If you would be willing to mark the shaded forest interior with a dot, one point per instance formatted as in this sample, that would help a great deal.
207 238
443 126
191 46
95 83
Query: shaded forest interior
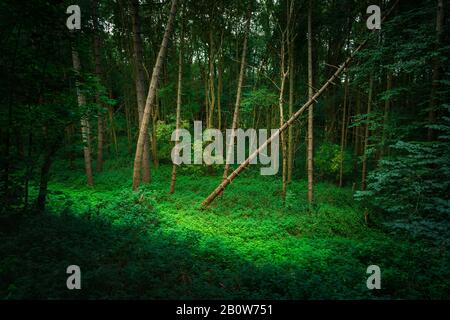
89 121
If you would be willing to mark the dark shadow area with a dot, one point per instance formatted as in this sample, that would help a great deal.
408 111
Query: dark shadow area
133 263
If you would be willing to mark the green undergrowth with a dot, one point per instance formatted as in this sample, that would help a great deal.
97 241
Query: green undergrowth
247 244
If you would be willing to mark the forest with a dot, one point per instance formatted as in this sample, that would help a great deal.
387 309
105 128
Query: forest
327 125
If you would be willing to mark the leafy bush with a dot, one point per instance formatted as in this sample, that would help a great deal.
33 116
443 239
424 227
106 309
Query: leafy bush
327 161
414 181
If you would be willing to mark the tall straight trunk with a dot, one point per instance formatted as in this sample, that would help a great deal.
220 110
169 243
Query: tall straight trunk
138 55
291 99
387 107
151 97
238 99
219 91
358 127
434 101
310 110
179 90
366 136
98 73
283 76
85 127
154 138
211 86
112 131
128 125
343 131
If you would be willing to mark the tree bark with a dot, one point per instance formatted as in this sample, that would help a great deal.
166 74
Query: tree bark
434 101
138 55
366 136
211 86
98 73
344 115
179 91
310 111
85 127
387 106
238 98
283 76
151 97
291 45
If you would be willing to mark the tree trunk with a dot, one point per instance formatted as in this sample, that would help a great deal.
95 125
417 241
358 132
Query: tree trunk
291 44
219 91
283 76
434 101
238 99
211 86
366 136
310 110
344 115
85 127
387 105
140 86
179 90
151 98
98 73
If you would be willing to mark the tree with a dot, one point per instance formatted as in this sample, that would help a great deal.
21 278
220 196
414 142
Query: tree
291 53
85 126
310 110
237 104
99 74
366 136
178 112
436 73
151 97
140 84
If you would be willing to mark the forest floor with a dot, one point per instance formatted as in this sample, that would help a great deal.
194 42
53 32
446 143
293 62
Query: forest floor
151 244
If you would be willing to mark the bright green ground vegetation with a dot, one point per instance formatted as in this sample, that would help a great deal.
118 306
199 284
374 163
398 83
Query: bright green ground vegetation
247 245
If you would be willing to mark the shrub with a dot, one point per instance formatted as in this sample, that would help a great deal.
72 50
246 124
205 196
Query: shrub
327 161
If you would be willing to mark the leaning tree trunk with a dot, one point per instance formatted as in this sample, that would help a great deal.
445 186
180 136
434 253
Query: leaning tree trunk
140 85
151 97
310 110
238 100
219 189
85 127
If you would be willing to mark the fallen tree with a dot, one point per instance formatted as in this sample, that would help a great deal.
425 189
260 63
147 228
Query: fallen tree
286 125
